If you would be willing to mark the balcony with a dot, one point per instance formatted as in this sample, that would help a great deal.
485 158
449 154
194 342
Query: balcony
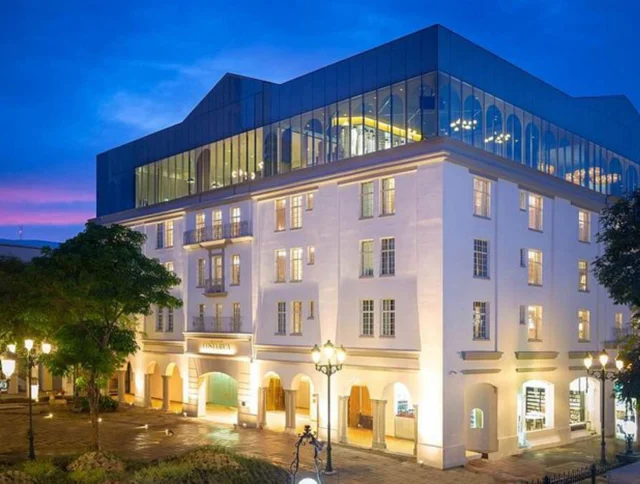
214 288
218 234
210 324
619 334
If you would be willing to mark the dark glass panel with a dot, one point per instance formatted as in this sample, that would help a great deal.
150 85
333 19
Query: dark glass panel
384 119
357 126
370 109
428 105
344 130
296 143
285 146
414 113
398 114
317 126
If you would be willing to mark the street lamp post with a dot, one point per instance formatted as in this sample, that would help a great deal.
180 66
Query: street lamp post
328 368
603 375
32 360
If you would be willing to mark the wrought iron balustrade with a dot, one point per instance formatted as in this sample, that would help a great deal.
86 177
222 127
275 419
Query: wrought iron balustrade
212 324
214 233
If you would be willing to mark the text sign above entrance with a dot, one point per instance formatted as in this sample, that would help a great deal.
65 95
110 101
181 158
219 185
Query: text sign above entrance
218 348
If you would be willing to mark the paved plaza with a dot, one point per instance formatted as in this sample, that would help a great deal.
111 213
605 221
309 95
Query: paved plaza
136 433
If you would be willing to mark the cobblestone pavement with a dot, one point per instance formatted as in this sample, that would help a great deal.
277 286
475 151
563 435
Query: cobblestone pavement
124 433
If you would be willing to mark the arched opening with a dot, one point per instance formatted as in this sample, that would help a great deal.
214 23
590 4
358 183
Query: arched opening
155 384
306 402
218 398
360 416
535 409
400 422
174 391
614 179
274 402
495 138
532 145
632 179
549 162
481 419
584 411
472 122
514 145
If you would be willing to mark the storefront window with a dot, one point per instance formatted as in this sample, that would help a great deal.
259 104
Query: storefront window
537 411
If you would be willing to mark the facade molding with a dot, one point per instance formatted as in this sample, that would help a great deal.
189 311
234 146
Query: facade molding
481 355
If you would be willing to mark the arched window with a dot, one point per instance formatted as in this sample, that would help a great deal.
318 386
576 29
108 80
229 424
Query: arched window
614 178
477 419
449 108
494 129
532 145
472 122
550 153
514 130
632 179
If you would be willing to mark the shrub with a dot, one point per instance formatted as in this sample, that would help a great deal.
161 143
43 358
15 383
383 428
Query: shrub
15 477
168 473
96 461
44 471
105 404
93 476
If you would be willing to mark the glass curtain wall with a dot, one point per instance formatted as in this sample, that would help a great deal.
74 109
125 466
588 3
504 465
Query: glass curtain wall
433 104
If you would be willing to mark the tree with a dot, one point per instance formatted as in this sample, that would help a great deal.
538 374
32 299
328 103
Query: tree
618 270
97 284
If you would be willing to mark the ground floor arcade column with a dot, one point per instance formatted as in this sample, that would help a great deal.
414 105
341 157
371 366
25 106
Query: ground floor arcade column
147 390
165 392
378 408
343 417
290 411
262 407
121 384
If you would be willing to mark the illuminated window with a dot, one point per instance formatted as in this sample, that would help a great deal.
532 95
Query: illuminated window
235 269
480 258
312 309
618 320
281 265
310 199
534 261
481 197
217 224
583 276
584 325
480 320
531 316
235 221
584 226
200 273
296 264
388 196
297 317
281 214
296 212
366 258
311 255
169 266
366 200
477 419
200 226
169 233
535 212
236 319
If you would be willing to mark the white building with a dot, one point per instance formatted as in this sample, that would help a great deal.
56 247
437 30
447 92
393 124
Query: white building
449 254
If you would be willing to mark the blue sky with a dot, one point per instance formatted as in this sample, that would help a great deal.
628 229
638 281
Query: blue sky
79 78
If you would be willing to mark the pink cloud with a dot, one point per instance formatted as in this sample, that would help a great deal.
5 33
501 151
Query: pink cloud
18 216
37 195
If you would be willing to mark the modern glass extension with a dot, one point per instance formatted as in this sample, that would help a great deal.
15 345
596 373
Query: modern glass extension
434 104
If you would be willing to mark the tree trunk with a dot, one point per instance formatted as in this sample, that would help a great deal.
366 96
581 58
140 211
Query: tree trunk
94 409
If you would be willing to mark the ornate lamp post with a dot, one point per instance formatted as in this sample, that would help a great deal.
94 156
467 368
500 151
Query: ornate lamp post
328 368
603 375
33 359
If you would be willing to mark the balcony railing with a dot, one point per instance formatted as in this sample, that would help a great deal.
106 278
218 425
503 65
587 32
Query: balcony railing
624 331
214 287
218 232
210 324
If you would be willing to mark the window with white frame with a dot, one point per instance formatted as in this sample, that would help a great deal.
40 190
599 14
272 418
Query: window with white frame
584 225
281 265
296 264
388 317
236 216
388 256
366 199
388 196
534 260
297 317
311 255
481 197
296 212
281 214
218 270
282 318
202 309
583 275
366 258
200 226
200 273
310 199
535 212
236 319
160 235
584 325
169 233
480 320
480 258
218 317
312 309
217 224
366 317
159 319
235 269
533 315
170 320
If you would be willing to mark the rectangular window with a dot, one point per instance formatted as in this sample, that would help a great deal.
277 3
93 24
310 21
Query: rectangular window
296 212
236 320
618 320
160 235
523 201
535 267
583 276
235 269
282 318
480 320
366 200
534 322
218 317
366 317
481 197
201 312
159 319
310 200
535 212
217 224
584 226
366 258
200 273
218 271
388 196
297 317
296 264
170 320
169 266
480 258
200 221
388 256
312 309
169 233
584 325
311 255
281 214
388 317
235 222
281 265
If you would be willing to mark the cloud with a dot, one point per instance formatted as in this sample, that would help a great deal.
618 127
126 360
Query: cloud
12 216
38 195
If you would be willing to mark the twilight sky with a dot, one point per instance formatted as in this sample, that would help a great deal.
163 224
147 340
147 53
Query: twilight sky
80 77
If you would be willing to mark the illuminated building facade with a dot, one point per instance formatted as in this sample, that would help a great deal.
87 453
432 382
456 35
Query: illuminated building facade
427 205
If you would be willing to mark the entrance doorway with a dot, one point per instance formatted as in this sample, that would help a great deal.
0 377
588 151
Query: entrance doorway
306 407
360 417
400 423
218 398
175 391
275 403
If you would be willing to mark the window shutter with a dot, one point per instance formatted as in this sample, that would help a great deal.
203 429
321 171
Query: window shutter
523 315
523 257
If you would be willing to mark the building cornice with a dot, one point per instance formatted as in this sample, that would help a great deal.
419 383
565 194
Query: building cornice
351 352
536 355
481 355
